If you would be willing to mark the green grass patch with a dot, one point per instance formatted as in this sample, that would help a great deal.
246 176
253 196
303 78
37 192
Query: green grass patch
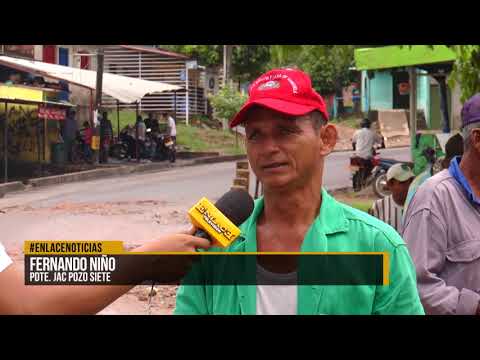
126 117
351 121
361 205
201 139
192 137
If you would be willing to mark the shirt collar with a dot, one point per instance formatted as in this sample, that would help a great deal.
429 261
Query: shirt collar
457 174
331 219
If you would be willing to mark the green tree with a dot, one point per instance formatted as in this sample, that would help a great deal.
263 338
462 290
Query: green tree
227 102
284 55
249 61
466 70
206 55
329 66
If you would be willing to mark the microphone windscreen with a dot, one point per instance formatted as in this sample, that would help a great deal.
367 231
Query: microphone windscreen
236 205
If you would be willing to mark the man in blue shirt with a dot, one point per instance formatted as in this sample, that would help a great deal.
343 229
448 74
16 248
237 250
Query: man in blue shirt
441 228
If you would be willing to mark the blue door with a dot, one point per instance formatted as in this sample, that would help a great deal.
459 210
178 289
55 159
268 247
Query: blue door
63 56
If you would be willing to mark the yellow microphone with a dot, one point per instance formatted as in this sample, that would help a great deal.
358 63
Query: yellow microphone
219 222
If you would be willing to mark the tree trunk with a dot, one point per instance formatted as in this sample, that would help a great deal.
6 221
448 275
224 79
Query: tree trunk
339 99
444 102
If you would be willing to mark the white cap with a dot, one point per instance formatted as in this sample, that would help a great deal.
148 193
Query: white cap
400 172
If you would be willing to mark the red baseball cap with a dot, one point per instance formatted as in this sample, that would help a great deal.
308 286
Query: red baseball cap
288 91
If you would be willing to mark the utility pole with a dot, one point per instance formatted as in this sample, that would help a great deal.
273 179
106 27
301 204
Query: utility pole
227 61
98 101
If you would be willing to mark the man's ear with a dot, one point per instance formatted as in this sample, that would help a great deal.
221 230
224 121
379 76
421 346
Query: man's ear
329 135
476 140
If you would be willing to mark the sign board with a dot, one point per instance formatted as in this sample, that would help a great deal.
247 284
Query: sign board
192 64
404 88
25 51
51 113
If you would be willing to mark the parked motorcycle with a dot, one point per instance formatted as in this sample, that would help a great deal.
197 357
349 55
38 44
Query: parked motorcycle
372 172
119 149
166 148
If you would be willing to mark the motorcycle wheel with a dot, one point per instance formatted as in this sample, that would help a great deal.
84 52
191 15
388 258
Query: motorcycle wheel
380 186
77 155
355 182
118 152
171 155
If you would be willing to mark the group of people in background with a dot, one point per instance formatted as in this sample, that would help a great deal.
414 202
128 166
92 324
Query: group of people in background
438 216
131 133
73 135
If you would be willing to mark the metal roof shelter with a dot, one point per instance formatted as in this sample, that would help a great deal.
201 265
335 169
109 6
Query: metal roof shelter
123 88
436 59
20 101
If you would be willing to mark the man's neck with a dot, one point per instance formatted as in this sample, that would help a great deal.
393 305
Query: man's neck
300 206
471 170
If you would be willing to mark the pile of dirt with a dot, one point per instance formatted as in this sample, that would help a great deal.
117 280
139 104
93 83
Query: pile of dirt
344 139
348 195
102 209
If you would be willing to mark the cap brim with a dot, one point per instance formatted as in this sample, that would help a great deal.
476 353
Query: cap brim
402 177
284 107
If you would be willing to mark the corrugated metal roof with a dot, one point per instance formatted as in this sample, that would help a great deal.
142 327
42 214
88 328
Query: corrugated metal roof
123 88
156 51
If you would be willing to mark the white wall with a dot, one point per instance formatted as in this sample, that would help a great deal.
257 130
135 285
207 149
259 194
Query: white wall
456 121
38 52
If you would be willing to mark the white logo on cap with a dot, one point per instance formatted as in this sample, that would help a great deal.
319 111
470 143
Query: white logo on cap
269 85
272 83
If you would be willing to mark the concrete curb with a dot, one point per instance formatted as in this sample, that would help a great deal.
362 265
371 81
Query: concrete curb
112 171
217 159
80 176
11 187
187 155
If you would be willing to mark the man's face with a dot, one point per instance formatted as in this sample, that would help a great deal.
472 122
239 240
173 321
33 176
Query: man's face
399 190
283 151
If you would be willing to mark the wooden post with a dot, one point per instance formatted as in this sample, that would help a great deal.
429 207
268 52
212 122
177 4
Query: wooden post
242 176
136 133
5 141
99 84
175 105
98 99
45 131
118 120
187 96
91 109
413 110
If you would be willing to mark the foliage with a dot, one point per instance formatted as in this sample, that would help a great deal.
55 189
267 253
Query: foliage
466 70
328 65
206 55
227 102
249 61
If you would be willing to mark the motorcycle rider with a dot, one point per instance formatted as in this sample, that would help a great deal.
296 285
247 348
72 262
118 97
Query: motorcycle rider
363 142
172 131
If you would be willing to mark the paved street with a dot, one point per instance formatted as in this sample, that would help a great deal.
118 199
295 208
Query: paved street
134 209
131 208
